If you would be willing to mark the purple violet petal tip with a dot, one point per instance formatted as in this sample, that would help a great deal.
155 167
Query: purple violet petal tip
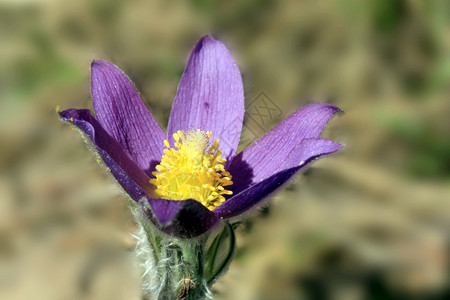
184 219
307 151
210 96
120 110
133 180
265 157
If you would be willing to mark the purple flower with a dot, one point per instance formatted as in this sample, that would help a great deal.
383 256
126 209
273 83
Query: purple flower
155 168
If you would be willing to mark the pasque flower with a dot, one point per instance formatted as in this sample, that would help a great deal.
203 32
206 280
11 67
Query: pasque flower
189 179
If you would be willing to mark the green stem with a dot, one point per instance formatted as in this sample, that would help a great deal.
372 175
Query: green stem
176 268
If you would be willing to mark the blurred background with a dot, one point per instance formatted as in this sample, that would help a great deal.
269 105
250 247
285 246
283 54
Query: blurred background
370 222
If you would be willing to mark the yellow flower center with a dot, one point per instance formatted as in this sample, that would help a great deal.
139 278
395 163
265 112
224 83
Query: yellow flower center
192 170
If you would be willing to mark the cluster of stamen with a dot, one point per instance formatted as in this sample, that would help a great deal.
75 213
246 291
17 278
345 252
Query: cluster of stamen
192 170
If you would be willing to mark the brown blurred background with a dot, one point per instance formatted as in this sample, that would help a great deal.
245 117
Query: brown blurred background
371 222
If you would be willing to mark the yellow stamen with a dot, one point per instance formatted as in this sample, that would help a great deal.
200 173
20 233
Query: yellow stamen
194 171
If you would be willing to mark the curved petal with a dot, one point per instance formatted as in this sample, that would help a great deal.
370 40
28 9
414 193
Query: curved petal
306 151
184 219
210 96
265 157
133 180
122 113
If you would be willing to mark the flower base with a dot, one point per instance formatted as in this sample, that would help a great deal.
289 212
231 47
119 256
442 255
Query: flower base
178 268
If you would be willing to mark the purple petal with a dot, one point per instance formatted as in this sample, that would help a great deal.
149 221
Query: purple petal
268 154
305 152
308 150
185 219
133 180
121 111
210 96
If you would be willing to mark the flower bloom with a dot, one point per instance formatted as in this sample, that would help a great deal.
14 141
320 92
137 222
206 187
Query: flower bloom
188 179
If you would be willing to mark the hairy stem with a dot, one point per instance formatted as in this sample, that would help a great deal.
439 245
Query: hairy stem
186 269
